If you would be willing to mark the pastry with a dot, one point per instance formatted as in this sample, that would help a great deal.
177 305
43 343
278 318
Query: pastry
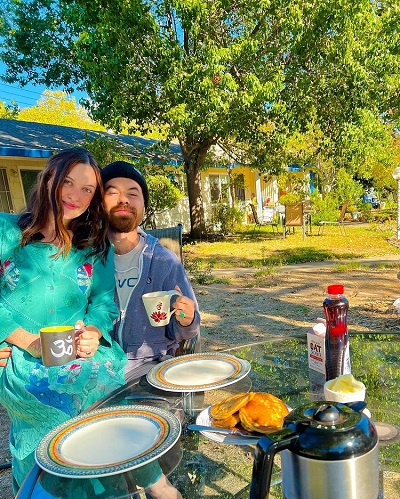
263 413
224 409
229 422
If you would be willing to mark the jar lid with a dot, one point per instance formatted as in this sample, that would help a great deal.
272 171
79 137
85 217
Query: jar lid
336 289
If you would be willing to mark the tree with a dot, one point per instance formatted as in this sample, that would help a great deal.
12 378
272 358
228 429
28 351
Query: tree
208 71
163 196
9 111
365 149
57 108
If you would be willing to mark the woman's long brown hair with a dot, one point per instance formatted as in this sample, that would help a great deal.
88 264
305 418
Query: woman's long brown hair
89 230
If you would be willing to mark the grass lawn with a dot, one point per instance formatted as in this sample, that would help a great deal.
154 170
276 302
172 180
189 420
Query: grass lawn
263 249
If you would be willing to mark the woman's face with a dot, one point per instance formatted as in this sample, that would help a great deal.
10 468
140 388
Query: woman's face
78 190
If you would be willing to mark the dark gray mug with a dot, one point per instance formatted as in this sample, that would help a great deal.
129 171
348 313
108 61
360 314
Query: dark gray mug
58 345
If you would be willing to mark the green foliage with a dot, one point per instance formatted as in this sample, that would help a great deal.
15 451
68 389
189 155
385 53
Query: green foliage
346 188
57 108
290 198
365 212
326 209
9 111
228 218
198 270
106 149
163 194
248 75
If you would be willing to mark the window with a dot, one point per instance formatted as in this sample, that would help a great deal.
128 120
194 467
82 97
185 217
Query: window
5 197
219 188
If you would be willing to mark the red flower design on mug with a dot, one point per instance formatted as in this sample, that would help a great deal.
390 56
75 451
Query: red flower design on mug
158 316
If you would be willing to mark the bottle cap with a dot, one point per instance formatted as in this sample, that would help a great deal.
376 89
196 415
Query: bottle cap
336 289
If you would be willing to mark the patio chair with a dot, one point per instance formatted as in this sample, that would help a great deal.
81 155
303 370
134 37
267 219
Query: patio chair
266 219
170 237
294 217
339 221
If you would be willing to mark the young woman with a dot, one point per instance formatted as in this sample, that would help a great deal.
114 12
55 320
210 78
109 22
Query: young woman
56 268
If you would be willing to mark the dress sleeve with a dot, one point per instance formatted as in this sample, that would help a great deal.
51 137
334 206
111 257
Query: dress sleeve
101 310
9 237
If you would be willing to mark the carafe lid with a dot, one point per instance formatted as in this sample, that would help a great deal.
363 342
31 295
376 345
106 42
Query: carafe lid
336 289
331 430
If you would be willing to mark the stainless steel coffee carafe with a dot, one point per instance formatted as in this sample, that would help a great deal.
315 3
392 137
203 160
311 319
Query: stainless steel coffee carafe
330 451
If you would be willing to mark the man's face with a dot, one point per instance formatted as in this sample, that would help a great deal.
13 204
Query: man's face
124 204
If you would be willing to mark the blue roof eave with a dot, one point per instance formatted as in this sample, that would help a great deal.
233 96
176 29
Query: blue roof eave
25 153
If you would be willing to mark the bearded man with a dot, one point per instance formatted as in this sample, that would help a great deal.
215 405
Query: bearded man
143 265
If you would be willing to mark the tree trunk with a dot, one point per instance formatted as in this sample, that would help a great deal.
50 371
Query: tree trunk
193 163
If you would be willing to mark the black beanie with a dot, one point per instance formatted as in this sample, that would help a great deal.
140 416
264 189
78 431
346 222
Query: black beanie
125 170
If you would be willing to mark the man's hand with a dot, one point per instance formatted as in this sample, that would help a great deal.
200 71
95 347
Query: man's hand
5 354
184 309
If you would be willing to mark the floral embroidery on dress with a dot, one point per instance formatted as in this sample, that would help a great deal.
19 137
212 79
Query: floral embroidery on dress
84 275
10 274
47 394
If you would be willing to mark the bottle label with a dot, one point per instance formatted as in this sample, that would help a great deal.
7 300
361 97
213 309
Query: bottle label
347 363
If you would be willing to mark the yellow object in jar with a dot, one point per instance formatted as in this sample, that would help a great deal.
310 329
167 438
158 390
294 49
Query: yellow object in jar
346 384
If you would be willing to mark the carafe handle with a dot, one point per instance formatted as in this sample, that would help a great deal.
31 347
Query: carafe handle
267 447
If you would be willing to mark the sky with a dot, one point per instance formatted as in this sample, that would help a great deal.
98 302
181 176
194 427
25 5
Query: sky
24 96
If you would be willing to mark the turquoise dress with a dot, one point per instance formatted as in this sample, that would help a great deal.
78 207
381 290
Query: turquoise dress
37 290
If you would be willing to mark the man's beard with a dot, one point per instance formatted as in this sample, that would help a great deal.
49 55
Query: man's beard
123 223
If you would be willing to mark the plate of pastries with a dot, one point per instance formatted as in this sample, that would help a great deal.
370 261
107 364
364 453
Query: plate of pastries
258 413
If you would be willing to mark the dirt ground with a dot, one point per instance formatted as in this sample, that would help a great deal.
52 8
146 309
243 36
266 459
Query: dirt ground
288 302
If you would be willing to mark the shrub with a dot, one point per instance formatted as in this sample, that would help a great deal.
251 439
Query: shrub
324 209
228 218
199 271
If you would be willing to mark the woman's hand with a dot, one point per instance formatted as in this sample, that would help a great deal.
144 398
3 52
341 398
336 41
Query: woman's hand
5 354
35 347
87 340
184 309
27 341
163 489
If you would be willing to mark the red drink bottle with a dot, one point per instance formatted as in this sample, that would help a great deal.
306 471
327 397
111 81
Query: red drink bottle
336 338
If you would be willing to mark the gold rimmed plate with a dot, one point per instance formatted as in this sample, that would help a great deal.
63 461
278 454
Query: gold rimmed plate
108 441
198 372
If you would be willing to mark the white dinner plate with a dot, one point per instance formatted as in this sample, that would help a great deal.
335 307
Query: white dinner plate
205 419
108 441
198 372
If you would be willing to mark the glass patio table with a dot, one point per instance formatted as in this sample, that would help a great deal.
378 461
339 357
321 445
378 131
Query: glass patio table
199 467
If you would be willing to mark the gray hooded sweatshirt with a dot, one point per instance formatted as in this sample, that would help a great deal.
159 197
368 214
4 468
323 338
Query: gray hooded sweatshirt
159 270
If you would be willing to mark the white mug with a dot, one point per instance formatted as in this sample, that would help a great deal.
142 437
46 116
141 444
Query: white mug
158 306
